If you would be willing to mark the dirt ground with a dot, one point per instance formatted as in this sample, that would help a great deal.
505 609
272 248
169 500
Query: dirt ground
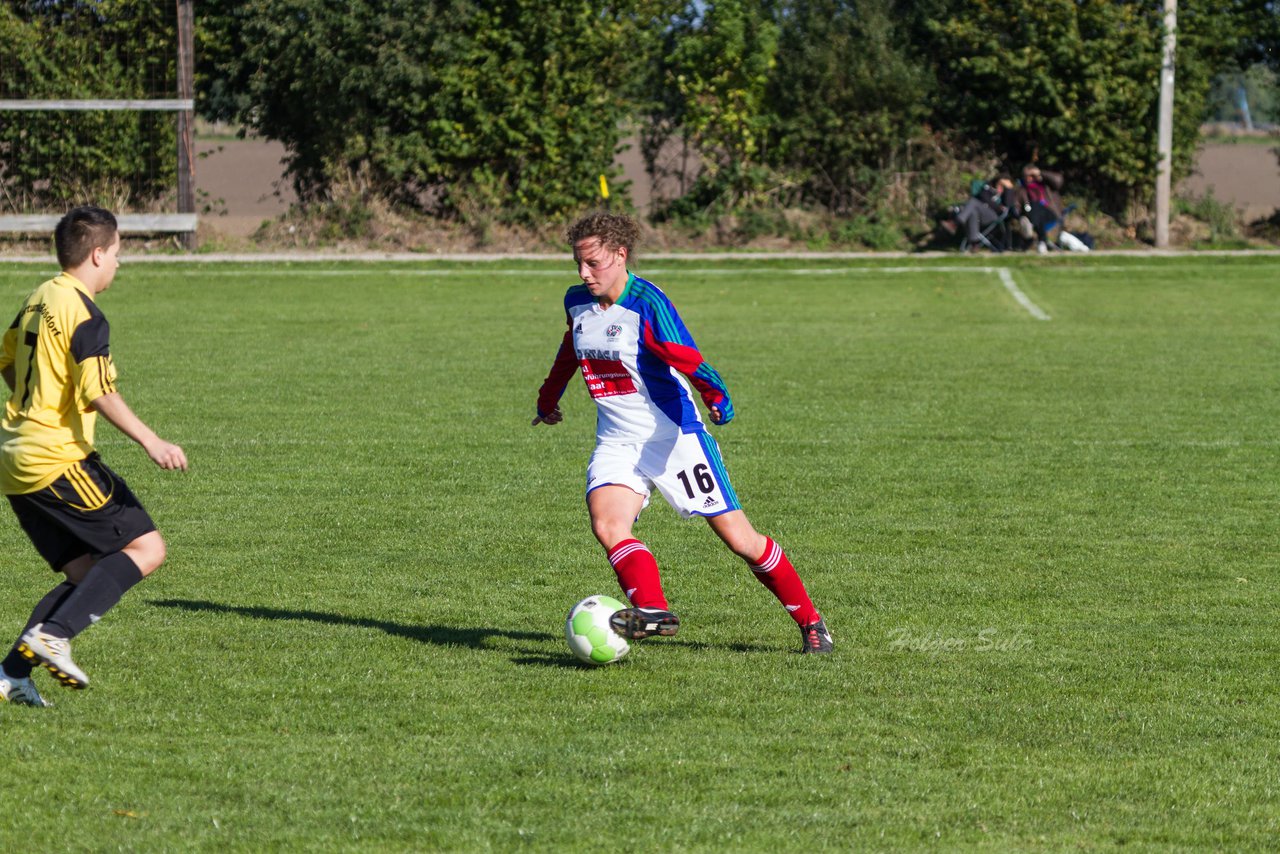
1247 174
240 182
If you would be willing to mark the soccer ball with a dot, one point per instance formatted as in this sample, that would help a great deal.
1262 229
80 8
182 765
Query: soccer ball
589 635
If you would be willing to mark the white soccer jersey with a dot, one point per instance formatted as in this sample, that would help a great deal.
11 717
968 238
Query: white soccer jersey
635 356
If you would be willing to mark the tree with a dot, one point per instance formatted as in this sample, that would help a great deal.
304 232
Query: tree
1073 84
515 107
715 63
1252 92
845 97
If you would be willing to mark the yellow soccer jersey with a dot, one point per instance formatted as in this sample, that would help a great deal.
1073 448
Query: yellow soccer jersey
57 346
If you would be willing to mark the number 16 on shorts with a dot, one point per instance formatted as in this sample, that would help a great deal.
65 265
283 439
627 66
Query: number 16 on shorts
687 470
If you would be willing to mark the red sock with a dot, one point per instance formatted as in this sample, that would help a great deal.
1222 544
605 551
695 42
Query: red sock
638 574
775 571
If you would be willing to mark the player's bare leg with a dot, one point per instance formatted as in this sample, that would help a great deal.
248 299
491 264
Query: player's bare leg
614 509
773 569
737 533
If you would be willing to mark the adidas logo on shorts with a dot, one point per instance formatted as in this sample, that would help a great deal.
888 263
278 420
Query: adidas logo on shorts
710 502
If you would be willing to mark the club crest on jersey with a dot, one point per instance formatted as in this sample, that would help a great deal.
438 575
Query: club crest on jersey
613 331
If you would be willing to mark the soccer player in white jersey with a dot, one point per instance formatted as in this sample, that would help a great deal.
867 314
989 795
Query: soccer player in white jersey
641 366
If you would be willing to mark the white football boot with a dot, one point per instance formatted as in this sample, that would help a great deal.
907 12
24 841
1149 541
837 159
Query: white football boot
54 654
20 692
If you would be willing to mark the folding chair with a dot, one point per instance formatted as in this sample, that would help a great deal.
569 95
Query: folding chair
999 224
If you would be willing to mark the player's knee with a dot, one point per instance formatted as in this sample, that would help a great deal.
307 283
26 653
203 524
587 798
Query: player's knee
147 552
748 547
604 533
610 532
739 535
156 553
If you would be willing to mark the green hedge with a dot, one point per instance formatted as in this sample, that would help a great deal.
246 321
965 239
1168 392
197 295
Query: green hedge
113 49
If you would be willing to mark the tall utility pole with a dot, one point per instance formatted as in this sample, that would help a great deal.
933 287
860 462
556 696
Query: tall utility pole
186 118
1164 137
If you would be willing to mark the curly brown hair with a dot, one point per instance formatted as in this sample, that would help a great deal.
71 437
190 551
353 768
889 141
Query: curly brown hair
613 230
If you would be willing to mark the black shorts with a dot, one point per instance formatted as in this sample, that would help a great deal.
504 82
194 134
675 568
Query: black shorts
88 510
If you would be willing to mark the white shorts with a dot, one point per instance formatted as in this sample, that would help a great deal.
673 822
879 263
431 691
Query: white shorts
686 469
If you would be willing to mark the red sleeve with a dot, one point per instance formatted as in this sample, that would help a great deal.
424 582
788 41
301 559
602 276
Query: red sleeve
682 357
562 369
688 361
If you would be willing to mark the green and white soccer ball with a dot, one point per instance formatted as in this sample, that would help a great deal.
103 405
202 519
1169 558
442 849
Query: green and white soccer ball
588 632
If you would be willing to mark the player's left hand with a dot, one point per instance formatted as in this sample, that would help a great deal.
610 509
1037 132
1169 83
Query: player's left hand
721 410
555 416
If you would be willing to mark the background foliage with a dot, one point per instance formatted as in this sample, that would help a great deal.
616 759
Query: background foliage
1254 89
716 63
861 111
1074 85
67 49
456 107
845 107
848 99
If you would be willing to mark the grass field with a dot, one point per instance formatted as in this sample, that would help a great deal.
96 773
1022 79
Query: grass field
1047 550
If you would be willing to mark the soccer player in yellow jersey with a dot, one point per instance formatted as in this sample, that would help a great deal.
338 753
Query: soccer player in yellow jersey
80 515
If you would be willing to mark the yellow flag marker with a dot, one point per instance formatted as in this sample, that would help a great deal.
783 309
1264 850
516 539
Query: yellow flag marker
604 187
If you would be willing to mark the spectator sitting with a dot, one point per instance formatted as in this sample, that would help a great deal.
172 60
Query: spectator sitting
1009 199
1039 205
984 206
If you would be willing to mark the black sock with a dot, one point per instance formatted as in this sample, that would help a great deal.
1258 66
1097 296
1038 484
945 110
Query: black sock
17 666
103 585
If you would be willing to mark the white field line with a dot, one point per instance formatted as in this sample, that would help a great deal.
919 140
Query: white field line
313 257
566 273
303 265
1006 279
644 272
230 440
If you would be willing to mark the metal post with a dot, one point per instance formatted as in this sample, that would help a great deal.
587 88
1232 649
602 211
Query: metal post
1164 138
186 118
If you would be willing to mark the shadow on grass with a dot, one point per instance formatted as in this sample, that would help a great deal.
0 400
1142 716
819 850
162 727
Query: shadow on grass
568 662
571 663
442 635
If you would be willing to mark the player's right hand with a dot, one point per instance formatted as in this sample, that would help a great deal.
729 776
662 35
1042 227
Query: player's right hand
555 416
